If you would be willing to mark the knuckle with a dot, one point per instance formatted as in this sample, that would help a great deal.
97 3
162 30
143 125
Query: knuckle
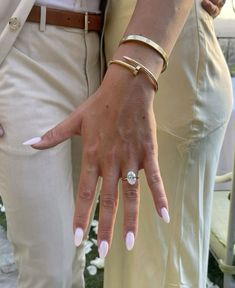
54 134
131 220
111 157
151 147
213 8
155 178
86 193
91 153
80 220
51 135
105 233
162 199
131 193
108 201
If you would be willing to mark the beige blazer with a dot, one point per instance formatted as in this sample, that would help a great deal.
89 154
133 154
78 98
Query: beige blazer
13 15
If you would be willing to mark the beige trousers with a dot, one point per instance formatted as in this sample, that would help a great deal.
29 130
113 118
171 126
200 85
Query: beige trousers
44 78
192 108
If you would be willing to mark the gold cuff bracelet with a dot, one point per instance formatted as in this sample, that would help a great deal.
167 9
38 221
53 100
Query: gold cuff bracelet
150 43
135 67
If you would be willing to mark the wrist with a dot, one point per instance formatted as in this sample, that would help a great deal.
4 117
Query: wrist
122 82
141 53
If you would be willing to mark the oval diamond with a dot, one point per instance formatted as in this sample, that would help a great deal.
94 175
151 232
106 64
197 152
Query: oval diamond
131 178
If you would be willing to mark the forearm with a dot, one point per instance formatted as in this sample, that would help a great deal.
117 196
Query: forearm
161 21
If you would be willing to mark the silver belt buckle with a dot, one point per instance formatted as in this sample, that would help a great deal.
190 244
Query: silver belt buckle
86 28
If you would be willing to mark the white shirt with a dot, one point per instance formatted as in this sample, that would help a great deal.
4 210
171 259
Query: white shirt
72 5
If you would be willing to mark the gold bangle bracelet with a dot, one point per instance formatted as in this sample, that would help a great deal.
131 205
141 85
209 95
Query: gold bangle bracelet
143 68
126 65
136 68
150 43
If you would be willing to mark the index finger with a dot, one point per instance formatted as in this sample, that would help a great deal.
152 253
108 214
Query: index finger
61 132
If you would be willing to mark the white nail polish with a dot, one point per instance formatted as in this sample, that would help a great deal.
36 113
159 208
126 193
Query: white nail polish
32 141
78 237
165 215
130 240
103 249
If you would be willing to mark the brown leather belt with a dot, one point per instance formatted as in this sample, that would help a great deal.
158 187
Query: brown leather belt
87 21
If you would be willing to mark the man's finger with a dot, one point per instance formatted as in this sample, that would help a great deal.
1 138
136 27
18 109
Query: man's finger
212 8
218 3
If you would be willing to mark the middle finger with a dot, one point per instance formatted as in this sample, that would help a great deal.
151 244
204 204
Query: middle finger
108 208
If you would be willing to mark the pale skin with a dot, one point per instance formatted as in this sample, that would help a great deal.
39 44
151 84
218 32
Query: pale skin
117 124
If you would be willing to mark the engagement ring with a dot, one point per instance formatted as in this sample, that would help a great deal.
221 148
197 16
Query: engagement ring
131 178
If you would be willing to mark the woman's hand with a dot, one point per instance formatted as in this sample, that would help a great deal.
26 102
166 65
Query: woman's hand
118 131
118 127
213 7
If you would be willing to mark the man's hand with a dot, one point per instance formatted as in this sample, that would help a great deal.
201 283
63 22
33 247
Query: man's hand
213 7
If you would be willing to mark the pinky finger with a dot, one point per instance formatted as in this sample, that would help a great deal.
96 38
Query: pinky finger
156 186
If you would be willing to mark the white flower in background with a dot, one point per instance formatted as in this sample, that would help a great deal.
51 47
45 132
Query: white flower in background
95 225
98 262
94 241
209 284
88 246
92 270
2 208
95 229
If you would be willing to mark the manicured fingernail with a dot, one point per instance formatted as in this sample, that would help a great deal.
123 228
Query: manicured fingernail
78 237
130 240
165 215
103 249
32 141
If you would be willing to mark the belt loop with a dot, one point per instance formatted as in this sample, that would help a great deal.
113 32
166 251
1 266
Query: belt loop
86 26
42 26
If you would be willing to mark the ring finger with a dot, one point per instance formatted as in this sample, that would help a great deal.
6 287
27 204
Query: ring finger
131 199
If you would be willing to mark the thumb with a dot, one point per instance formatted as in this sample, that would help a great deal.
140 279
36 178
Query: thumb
61 132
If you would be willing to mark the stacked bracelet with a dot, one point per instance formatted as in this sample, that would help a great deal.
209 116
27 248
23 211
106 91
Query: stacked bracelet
135 67
150 43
